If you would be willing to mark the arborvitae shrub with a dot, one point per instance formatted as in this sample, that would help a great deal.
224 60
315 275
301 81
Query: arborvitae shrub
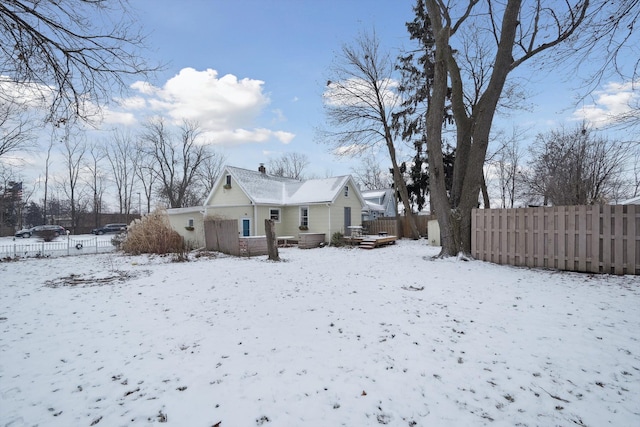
337 239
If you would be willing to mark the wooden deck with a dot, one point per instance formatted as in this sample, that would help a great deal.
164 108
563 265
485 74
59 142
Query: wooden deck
372 241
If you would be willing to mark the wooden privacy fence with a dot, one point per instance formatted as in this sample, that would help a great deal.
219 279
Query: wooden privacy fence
422 222
390 225
382 225
221 235
597 239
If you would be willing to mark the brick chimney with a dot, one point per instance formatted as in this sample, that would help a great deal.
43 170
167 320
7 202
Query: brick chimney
262 169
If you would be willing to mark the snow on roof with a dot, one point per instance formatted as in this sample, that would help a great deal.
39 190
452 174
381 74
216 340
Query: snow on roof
268 189
260 187
632 201
374 193
315 190
177 211
374 206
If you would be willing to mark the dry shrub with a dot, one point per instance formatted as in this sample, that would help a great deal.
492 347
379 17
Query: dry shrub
152 234
47 235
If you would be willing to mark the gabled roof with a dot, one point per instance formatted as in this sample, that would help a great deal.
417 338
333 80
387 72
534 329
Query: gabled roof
264 189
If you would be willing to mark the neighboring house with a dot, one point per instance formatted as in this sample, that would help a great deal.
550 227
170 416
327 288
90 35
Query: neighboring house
327 205
379 203
632 201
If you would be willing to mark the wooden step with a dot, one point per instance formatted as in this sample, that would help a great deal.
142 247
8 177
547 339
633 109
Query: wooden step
368 244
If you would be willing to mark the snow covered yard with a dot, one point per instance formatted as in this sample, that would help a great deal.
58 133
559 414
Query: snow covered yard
329 337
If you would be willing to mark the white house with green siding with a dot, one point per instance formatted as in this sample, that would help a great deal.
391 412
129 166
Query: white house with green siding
326 205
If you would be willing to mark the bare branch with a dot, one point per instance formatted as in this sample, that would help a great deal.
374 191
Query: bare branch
74 53
17 128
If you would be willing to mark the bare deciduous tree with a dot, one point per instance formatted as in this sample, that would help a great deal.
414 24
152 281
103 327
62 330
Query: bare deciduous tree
518 32
123 158
145 172
16 128
288 165
74 150
211 170
178 162
369 175
608 41
71 53
575 167
47 165
96 179
507 167
359 102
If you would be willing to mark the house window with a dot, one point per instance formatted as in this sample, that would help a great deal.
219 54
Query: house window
274 214
190 222
304 216
227 182
346 191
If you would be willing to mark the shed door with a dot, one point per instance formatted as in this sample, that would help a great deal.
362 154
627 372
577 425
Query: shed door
246 227
347 221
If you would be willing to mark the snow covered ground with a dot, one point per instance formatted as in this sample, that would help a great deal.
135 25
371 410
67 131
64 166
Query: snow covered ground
329 337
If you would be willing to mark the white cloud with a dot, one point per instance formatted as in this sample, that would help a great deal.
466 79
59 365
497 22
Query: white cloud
227 108
613 104
217 103
132 103
28 95
118 118
144 87
284 137
279 115
243 136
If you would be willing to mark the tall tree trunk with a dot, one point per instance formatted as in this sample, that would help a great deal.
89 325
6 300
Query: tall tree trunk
437 185
454 211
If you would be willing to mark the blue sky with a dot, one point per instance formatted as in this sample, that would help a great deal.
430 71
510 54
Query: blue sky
278 52
285 44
